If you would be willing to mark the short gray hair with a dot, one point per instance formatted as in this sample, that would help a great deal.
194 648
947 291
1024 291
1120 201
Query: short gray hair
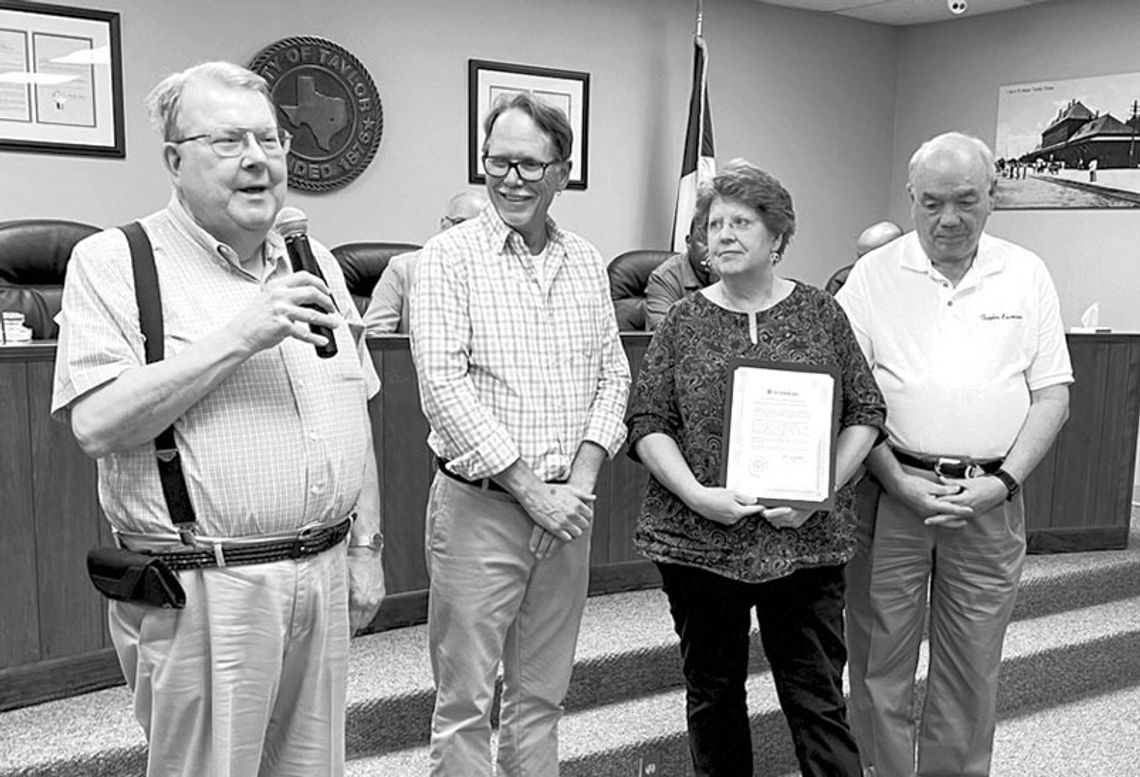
956 141
164 103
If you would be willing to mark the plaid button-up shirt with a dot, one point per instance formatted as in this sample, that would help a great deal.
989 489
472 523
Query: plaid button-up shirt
279 443
510 365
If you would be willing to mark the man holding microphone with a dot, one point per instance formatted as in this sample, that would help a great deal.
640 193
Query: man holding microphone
249 677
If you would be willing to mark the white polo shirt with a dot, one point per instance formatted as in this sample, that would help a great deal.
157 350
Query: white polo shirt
956 365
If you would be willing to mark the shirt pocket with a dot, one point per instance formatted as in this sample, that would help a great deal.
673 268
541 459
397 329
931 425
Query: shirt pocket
582 371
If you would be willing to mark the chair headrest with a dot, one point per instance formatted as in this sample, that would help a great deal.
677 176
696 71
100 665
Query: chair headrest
629 272
362 263
36 251
33 262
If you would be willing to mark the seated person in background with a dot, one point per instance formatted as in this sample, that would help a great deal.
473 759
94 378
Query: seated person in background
679 275
871 238
388 311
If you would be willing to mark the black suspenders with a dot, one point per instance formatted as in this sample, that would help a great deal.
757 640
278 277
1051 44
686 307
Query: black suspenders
150 320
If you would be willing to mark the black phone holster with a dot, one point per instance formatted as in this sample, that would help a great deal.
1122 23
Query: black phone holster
139 578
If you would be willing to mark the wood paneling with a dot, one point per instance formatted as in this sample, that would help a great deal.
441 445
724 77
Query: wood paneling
408 467
58 678
19 634
1073 490
1079 497
53 638
67 526
1117 450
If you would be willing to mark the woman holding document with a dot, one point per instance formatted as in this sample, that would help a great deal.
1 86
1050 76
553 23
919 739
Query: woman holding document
759 379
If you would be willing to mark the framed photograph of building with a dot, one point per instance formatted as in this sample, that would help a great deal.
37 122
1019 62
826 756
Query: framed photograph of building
61 82
488 82
1070 143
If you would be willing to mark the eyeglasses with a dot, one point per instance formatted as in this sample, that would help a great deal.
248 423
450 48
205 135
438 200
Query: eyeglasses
526 169
232 142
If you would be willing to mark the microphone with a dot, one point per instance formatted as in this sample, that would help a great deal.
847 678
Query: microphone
294 227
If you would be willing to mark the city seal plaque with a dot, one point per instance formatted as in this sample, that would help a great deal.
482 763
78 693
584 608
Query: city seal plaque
326 98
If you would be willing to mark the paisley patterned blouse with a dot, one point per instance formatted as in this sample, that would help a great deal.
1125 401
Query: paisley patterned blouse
681 392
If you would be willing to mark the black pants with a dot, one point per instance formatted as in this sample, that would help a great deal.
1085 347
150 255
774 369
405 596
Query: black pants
801 628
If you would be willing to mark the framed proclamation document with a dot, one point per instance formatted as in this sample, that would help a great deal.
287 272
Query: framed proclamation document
781 423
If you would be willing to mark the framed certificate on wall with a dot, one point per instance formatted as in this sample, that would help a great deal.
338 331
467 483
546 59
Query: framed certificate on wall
567 90
61 82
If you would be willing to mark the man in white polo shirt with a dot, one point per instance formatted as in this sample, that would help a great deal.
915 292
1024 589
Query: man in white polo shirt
964 335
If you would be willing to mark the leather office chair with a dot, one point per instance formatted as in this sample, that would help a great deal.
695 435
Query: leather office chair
629 274
33 261
362 264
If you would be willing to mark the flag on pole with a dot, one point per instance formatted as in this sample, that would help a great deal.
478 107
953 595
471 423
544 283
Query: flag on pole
699 162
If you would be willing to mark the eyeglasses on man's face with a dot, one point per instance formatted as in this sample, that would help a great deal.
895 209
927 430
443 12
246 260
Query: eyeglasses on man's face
230 143
530 170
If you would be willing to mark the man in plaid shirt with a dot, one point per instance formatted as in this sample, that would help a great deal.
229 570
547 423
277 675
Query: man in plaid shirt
250 677
524 382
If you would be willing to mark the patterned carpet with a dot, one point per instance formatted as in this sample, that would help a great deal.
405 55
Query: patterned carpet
1070 691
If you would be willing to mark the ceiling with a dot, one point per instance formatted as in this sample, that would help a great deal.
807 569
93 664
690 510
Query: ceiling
902 12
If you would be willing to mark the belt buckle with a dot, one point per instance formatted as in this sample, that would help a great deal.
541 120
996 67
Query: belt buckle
974 470
942 461
303 540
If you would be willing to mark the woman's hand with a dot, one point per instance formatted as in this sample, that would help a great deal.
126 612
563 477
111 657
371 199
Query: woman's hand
788 517
724 505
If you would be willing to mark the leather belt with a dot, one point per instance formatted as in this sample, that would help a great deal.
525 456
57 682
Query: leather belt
950 466
241 551
483 484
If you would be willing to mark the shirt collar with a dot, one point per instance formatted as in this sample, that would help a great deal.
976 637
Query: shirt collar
503 236
689 278
273 246
987 261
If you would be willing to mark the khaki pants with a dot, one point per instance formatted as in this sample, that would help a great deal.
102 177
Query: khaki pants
249 678
972 575
491 602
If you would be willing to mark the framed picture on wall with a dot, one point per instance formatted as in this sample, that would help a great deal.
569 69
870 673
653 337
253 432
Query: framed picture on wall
61 80
488 82
1071 143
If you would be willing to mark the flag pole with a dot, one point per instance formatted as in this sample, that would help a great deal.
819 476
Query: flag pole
698 160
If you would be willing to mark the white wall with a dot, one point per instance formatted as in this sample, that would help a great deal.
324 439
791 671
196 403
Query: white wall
832 106
949 74
811 98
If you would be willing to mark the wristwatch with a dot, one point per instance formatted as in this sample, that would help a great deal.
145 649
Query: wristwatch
374 542
1009 481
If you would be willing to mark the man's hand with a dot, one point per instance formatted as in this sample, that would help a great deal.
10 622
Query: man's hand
562 510
932 501
365 587
723 505
978 494
543 543
279 312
